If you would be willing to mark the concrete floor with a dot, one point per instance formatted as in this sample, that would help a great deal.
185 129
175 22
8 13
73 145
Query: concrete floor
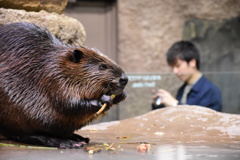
128 150
181 133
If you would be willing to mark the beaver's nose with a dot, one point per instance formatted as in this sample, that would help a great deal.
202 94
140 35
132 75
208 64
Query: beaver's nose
123 80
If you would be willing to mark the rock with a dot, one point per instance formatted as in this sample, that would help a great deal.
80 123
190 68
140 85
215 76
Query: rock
57 6
67 29
187 124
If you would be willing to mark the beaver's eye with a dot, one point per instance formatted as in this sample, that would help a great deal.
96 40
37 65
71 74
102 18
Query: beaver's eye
103 67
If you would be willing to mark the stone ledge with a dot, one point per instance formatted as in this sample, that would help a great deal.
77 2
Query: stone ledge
57 6
67 29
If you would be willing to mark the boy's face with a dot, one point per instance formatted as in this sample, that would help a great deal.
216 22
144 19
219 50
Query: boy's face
184 70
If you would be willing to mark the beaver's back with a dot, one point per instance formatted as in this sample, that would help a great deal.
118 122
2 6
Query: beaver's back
28 53
50 87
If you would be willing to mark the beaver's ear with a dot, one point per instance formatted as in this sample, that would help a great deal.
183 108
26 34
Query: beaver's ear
77 55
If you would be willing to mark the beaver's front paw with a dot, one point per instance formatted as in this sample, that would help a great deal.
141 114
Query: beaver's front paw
106 99
120 97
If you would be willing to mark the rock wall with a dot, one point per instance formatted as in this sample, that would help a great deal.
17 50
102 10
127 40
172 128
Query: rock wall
147 28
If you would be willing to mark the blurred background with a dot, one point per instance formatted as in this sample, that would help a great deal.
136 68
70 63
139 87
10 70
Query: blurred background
137 34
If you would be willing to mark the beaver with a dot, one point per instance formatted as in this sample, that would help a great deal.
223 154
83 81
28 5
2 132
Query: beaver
49 89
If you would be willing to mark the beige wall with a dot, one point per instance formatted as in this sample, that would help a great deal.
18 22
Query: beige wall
147 28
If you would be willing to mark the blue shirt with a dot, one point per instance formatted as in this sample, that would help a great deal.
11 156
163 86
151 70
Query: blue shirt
203 93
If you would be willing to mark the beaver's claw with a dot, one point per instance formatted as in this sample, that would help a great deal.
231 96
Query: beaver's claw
120 97
106 99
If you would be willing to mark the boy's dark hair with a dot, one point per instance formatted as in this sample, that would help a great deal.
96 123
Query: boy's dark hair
185 51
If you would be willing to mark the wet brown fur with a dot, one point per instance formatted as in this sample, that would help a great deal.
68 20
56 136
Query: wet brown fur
43 90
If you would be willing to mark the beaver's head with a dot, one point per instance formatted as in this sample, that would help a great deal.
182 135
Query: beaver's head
90 74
